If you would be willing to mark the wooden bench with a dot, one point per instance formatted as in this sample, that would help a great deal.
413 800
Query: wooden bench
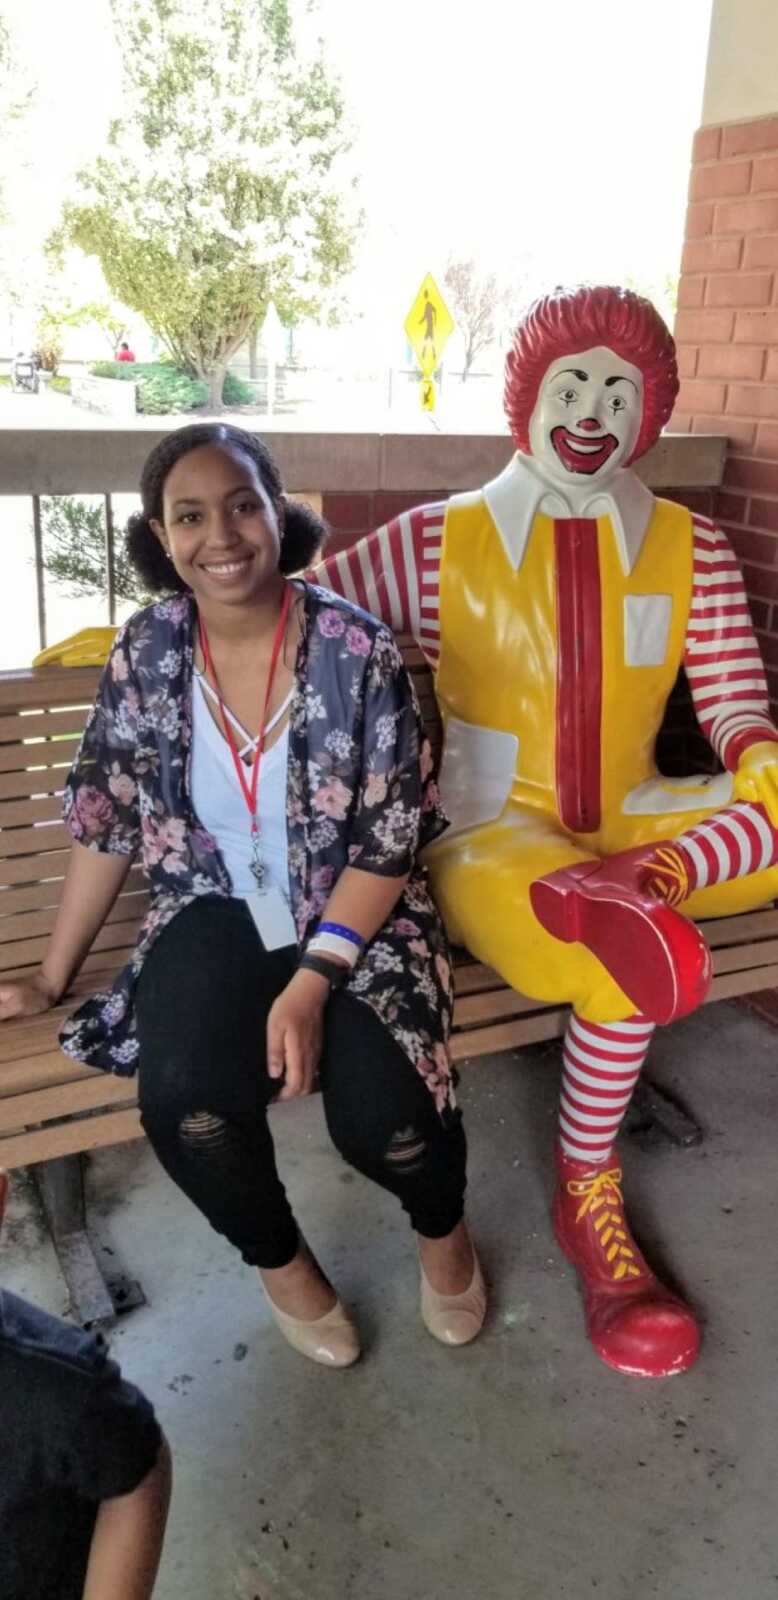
51 1109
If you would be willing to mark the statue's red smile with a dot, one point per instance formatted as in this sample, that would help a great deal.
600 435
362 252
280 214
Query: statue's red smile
578 454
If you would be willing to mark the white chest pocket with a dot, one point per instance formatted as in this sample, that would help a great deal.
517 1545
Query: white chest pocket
647 619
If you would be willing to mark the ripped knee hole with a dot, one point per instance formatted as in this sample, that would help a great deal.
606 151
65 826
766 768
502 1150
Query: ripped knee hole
406 1151
203 1131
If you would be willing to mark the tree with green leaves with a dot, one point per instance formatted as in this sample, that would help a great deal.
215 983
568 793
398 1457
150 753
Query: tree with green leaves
224 183
75 552
107 315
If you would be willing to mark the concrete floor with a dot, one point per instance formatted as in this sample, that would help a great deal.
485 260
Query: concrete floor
517 1469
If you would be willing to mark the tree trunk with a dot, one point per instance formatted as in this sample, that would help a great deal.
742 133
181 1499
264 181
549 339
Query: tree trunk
253 353
215 387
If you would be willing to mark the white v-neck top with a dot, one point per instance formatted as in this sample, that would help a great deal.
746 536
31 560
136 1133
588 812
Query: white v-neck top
218 799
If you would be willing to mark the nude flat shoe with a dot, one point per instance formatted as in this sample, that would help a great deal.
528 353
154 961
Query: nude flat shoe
454 1319
332 1340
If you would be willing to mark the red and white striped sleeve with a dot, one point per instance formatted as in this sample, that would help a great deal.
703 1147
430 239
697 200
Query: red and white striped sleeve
395 574
722 659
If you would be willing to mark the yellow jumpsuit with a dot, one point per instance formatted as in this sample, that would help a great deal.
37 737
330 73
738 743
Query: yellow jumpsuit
499 669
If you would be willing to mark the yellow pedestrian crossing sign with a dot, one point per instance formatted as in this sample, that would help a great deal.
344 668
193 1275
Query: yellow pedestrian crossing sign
429 326
427 394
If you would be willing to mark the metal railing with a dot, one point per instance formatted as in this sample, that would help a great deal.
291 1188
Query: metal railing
39 563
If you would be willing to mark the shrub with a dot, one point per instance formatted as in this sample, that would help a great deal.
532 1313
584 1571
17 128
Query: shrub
116 369
163 386
236 392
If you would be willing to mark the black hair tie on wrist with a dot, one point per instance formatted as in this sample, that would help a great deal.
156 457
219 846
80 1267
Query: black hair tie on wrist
334 971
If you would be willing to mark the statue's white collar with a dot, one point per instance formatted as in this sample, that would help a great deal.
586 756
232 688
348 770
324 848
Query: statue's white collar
515 497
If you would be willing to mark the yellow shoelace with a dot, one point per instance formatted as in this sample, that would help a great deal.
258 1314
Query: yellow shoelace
667 876
602 1194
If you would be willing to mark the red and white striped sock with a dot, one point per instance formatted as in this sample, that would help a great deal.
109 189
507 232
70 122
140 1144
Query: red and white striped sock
602 1062
731 844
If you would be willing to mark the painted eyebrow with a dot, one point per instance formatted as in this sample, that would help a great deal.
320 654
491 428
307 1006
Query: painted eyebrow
620 378
576 371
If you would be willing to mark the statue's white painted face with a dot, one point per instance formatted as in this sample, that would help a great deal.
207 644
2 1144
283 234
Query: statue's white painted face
587 416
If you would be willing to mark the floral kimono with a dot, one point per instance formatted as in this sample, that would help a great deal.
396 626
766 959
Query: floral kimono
360 792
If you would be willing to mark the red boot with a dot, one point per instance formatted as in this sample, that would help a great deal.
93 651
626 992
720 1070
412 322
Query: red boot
656 956
636 1326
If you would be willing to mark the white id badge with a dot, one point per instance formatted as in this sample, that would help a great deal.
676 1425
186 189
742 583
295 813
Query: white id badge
273 919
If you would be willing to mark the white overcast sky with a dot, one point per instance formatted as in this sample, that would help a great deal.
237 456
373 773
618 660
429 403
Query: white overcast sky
548 128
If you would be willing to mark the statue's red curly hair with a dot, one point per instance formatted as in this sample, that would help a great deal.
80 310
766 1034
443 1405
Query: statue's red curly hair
571 320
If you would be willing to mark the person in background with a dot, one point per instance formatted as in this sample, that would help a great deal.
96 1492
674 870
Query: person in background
86 1471
124 353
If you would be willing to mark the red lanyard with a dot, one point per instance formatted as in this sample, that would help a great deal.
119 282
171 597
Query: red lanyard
250 789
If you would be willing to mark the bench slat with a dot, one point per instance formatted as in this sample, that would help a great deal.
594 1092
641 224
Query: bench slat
30 952
18 757
35 868
39 778
509 1035
746 957
49 686
748 981
70 1138
43 1069
30 925
94 963
66 723
495 1003
83 1094
19 813
472 977
30 841
725 931
48 892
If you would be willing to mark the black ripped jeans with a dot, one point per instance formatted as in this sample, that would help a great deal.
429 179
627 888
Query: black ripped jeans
203 999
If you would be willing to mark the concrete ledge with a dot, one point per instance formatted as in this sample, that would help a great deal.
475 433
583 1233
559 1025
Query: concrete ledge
109 460
111 397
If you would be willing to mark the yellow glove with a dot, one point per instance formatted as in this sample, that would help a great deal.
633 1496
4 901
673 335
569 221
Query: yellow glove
756 778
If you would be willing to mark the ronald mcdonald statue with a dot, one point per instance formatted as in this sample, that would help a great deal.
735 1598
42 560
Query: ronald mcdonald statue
556 606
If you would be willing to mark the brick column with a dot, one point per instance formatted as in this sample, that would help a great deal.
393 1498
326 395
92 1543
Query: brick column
727 334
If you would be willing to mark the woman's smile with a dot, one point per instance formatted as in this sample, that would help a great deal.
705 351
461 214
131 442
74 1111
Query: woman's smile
228 568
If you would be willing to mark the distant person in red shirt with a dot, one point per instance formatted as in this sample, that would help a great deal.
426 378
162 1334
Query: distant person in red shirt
124 353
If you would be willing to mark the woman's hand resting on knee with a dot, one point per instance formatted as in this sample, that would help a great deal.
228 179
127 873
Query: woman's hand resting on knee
294 1033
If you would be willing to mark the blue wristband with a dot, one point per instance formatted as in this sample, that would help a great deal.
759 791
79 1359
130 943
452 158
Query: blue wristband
342 932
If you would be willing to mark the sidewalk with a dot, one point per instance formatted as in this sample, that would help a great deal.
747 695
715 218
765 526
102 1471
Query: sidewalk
517 1469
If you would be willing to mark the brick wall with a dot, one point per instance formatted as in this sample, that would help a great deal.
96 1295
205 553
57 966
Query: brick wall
352 515
727 335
